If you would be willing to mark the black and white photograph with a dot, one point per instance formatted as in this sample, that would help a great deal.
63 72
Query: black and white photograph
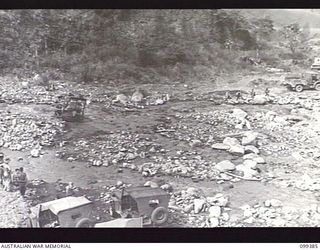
159 118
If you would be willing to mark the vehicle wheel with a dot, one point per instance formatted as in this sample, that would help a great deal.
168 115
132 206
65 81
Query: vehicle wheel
159 216
317 87
85 222
299 88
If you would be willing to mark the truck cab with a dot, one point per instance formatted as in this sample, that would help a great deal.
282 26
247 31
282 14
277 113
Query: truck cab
150 204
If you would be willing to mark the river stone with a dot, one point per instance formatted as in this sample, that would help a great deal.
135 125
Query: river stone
213 222
239 113
251 149
231 141
214 211
225 216
250 164
220 146
123 99
260 100
195 143
188 208
270 115
137 96
254 157
224 166
196 192
249 138
35 153
273 203
247 171
198 205
236 150
151 184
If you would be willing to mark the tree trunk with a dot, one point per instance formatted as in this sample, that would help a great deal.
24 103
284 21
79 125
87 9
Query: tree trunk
45 47
37 58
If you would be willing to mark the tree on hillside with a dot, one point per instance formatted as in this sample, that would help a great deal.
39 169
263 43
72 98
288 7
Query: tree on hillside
292 36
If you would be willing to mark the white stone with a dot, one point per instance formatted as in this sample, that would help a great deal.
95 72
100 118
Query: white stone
215 211
239 113
137 96
220 146
225 216
231 141
249 138
260 100
35 152
213 222
198 205
250 164
224 166
236 150
251 149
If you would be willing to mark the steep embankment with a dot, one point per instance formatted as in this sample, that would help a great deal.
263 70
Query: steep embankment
14 210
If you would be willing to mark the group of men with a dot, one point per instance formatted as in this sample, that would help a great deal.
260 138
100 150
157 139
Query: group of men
239 95
8 178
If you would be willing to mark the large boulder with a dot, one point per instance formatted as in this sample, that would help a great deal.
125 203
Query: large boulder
270 115
236 150
251 149
199 205
250 164
121 98
137 96
246 170
195 192
258 159
214 212
220 146
239 114
260 100
249 138
224 166
254 157
231 141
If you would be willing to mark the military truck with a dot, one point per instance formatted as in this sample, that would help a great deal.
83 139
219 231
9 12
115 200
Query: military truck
65 212
316 64
71 108
150 204
303 81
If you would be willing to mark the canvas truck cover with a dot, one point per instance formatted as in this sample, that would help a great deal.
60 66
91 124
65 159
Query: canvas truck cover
63 204
132 222
143 192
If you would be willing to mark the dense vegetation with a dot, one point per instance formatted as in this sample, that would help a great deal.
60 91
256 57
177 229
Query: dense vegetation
142 45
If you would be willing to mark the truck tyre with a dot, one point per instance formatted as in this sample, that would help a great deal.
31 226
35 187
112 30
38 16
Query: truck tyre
299 88
85 222
159 216
317 87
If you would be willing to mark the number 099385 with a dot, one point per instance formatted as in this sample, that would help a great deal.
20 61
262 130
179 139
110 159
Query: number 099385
309 246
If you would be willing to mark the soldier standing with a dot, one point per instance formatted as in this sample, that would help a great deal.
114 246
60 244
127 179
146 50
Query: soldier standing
252 93
22 181
227 96
238 95
267 91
